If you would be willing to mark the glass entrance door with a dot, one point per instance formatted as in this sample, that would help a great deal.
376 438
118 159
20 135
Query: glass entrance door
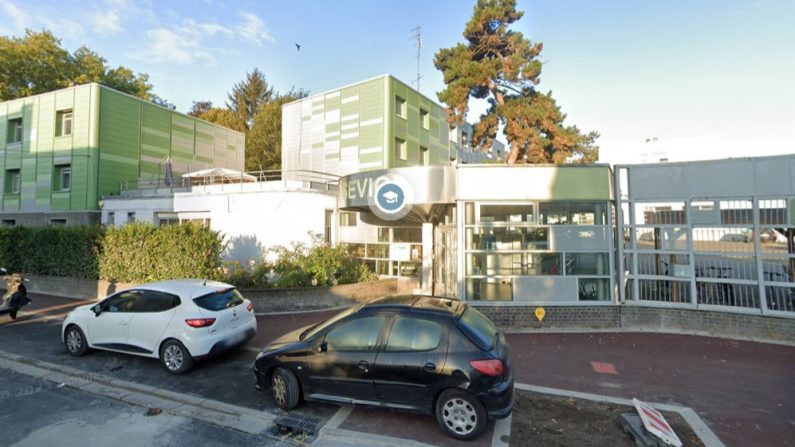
444 262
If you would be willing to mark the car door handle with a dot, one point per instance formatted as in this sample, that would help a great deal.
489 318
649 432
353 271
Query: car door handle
430 367
364 365
123 323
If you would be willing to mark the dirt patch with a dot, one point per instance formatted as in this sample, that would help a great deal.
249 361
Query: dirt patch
551 421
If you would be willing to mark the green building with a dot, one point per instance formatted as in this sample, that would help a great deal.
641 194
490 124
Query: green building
62 151
378 123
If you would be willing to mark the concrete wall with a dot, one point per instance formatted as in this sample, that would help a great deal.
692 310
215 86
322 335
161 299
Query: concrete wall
313 298
44 219
252 217
82 289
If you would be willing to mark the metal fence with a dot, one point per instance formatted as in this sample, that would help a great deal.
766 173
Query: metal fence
719 253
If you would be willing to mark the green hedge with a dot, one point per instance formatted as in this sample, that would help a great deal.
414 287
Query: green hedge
51 251
140 252
133 253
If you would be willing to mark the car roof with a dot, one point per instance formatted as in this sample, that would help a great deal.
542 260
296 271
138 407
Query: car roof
419 303
186 288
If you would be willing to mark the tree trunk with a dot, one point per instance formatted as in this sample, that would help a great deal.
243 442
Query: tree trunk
513 152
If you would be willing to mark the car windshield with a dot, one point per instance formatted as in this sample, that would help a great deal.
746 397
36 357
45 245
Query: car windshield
220 300
479 328
309 333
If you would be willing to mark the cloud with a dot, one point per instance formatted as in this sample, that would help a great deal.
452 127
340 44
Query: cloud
38 18
107 22
167 46
253 28
17 16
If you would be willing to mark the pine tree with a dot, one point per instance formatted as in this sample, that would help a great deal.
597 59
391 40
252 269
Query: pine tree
502 66
249 96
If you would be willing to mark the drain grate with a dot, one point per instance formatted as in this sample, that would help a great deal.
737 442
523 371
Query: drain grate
298 430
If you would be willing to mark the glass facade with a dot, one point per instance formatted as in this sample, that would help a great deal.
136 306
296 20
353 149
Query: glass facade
565 242
377 254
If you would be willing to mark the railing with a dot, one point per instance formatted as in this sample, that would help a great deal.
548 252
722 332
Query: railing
313 179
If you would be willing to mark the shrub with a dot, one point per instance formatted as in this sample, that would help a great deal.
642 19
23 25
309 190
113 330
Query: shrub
318 265
53 251
140 252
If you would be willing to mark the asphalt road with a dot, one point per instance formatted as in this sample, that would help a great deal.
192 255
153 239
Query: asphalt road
743 390
35 413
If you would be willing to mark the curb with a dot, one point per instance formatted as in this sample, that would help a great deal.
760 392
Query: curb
700 428
206 410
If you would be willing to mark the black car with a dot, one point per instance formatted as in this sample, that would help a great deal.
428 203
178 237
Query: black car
423 354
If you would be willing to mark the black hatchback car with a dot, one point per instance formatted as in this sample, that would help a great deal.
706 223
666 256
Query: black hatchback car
430 355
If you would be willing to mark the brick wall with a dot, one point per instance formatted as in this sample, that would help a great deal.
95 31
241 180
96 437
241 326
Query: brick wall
556 317
722 324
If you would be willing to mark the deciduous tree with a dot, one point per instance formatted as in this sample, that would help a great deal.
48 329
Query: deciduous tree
502 66
37 63
264 140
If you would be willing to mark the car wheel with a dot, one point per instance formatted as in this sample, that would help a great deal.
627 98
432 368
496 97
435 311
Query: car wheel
75 341
175 357
460 415
285 389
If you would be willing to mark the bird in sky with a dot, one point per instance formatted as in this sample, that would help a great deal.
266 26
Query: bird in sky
298 47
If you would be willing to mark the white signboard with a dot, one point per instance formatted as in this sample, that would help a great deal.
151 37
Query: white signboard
655 423
399 252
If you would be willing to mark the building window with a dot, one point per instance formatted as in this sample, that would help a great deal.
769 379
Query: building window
58 222
111 219
63 177
425 119
13 181
401 153
425 156
130 217
63 123
9 222
164 219
347 219
400 107
14 130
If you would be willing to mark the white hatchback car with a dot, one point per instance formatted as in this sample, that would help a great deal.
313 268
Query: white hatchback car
176 321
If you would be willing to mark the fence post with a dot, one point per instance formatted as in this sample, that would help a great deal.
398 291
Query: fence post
760 267
691 254
619 237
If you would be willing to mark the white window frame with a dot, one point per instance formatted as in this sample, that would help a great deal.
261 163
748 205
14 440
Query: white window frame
401 149
401 102
15 182
65 116
15 130
64 171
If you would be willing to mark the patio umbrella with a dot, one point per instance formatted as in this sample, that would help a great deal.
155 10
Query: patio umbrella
169 172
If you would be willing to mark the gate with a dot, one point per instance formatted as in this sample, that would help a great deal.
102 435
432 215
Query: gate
709 235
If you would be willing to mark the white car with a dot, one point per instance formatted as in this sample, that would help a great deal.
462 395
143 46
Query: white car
176 321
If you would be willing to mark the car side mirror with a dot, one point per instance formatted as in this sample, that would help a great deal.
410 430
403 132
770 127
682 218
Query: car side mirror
3 270
323 347
97 309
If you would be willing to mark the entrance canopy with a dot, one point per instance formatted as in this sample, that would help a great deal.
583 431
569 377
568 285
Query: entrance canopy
399 196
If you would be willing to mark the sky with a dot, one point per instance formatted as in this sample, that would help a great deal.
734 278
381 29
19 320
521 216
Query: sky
703 79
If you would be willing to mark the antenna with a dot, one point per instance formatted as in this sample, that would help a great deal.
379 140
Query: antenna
417 38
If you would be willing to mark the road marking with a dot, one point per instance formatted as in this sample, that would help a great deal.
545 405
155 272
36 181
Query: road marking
604 368
339 417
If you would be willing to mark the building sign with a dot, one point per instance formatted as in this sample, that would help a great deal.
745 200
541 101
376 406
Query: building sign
399 252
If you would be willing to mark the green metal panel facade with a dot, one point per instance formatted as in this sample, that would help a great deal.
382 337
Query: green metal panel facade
115 137
354 129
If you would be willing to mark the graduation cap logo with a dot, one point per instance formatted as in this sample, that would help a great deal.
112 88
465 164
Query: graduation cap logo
390 198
